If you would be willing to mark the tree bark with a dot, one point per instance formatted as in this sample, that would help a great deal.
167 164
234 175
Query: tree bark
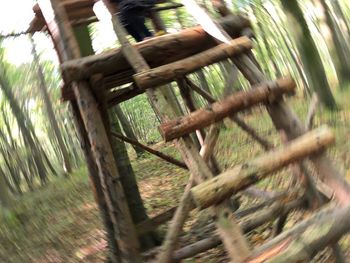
129 183
5 198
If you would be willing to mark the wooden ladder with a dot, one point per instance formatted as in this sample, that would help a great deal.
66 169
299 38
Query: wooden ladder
206 188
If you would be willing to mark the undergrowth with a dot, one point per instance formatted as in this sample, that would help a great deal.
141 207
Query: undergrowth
60 223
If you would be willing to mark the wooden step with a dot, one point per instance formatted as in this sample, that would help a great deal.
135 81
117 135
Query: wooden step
156 51
217 111
167 73
217 189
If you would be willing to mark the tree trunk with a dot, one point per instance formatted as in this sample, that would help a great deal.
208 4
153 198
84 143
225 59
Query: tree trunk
341 16
309 53
127 176
341 58
49 109
22 120
128 180
270 56
5 198
127 129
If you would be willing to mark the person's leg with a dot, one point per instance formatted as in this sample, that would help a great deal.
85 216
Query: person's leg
126 18
141 26
134 22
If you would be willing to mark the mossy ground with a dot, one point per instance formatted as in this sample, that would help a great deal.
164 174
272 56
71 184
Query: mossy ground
60 223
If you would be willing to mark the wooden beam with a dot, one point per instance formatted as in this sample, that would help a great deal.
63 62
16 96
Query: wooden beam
120 95
217 111
150 150
230 182
156 51
166 73
125 235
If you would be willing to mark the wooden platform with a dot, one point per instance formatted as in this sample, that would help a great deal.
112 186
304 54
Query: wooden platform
158 51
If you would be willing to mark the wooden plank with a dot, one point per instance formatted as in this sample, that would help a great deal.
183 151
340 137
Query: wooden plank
240 177
217 111
166 73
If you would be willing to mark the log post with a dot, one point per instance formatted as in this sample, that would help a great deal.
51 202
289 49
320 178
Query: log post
217 111
125 234
166 73
221 187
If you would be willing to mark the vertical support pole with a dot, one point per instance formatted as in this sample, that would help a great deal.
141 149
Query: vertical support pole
96 184
124 230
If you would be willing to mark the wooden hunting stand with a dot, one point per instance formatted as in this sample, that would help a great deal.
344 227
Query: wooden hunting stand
90 86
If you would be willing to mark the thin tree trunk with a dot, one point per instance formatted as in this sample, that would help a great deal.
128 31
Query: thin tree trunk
309 53
128 180
128 129
5 198
21 120
49 109
341 57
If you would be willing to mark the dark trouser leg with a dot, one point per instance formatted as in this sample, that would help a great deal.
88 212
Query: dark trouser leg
134 23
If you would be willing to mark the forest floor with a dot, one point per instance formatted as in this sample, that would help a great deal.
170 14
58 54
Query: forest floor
60 223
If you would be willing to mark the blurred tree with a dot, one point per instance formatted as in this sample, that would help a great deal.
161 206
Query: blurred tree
310 57
49 109
341 53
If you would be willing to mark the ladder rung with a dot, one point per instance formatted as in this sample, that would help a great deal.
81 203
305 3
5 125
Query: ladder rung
219 110
230 182
167 73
